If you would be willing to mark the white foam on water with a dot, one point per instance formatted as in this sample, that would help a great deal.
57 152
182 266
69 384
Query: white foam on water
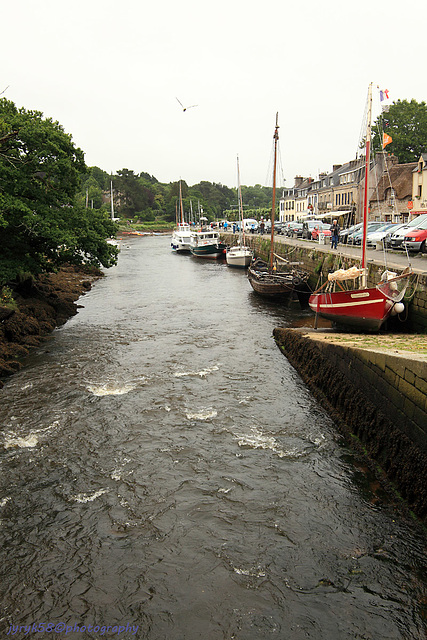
252 573
258 440
203 414
88 497
110 389
4 501
202 373
12 439
29 442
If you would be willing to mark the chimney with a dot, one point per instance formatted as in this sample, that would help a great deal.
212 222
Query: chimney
298 180
335 167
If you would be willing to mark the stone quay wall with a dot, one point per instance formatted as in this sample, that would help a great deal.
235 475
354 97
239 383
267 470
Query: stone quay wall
379 397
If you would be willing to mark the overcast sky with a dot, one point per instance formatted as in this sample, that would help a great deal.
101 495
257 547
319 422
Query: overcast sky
110 72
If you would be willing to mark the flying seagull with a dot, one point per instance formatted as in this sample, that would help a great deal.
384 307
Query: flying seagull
185 108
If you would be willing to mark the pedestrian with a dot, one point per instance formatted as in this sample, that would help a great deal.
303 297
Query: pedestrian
262 226
335 234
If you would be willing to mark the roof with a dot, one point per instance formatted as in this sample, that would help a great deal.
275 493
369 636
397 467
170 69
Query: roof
399 178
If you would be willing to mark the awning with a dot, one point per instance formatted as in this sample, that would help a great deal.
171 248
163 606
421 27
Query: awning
335 214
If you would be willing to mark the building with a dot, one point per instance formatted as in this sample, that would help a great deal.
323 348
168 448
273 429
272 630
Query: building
391 189
418 204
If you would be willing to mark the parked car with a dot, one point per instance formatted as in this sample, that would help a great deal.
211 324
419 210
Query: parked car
381 234
356 237
344 234
416 239
321 228
397 238
294 230
279 227
308 226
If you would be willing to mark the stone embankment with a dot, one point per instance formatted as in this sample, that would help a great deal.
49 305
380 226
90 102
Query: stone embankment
375 389
41 305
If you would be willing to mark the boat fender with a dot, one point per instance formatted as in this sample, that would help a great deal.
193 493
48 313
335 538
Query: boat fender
398 307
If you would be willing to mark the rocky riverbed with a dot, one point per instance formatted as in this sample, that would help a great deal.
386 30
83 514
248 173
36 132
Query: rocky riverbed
42 304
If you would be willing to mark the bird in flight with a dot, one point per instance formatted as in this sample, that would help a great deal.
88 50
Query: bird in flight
185 108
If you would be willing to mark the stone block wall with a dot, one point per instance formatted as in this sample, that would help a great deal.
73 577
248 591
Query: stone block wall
378 397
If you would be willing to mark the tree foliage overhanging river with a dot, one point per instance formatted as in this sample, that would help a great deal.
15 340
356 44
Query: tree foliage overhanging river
163 465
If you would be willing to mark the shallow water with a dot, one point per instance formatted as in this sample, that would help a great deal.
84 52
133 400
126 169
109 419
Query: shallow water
163 466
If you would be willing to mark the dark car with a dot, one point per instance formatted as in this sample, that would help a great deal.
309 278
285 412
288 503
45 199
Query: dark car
295 231
279 227
346 232
291 227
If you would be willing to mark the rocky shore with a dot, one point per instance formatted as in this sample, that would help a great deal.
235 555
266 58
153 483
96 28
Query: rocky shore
42 304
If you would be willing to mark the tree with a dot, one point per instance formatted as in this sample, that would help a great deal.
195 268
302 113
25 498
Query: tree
41 225
135 197
406 124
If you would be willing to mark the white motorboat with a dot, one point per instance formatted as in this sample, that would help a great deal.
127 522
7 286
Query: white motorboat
181 238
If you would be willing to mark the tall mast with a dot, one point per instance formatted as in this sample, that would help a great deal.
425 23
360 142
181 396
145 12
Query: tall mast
366 193
242 226
273 206
111 198
180 202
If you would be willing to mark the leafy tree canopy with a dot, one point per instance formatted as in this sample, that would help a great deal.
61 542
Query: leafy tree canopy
42 225
406 124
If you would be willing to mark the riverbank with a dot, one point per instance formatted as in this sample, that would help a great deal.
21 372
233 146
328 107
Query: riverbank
42 304
375 390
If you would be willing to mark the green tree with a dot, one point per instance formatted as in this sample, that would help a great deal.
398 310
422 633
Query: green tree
406 124
41 225
135 197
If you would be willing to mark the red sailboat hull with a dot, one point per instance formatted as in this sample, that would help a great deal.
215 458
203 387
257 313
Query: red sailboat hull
361 308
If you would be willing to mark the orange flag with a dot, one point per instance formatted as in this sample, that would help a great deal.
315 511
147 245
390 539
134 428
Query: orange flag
386 139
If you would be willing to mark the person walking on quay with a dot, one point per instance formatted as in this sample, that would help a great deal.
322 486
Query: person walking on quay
335 234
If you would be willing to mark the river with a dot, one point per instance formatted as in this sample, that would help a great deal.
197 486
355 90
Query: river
165 470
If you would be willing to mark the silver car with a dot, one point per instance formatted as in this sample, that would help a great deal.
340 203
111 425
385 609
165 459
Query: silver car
397 238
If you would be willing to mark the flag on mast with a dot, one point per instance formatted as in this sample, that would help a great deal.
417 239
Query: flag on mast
386 139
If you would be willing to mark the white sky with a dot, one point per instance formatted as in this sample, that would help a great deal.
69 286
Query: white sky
110 71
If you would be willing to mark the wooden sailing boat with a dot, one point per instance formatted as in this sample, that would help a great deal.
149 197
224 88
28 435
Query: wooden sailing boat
239 255
361 307
273 280
181 236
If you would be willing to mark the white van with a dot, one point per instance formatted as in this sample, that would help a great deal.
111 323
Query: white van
248 222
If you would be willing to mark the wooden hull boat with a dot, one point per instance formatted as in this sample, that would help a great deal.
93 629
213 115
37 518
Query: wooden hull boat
269 280
277 285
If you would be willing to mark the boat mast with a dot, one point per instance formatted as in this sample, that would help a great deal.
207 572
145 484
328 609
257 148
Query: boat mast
366 194
273 206
111 198
242 226
180 202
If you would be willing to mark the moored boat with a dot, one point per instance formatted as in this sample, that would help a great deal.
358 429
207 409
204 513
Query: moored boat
206 244
239 255
361 307
274 280
181 236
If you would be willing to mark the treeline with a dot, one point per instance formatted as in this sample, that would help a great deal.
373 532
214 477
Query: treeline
141 197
